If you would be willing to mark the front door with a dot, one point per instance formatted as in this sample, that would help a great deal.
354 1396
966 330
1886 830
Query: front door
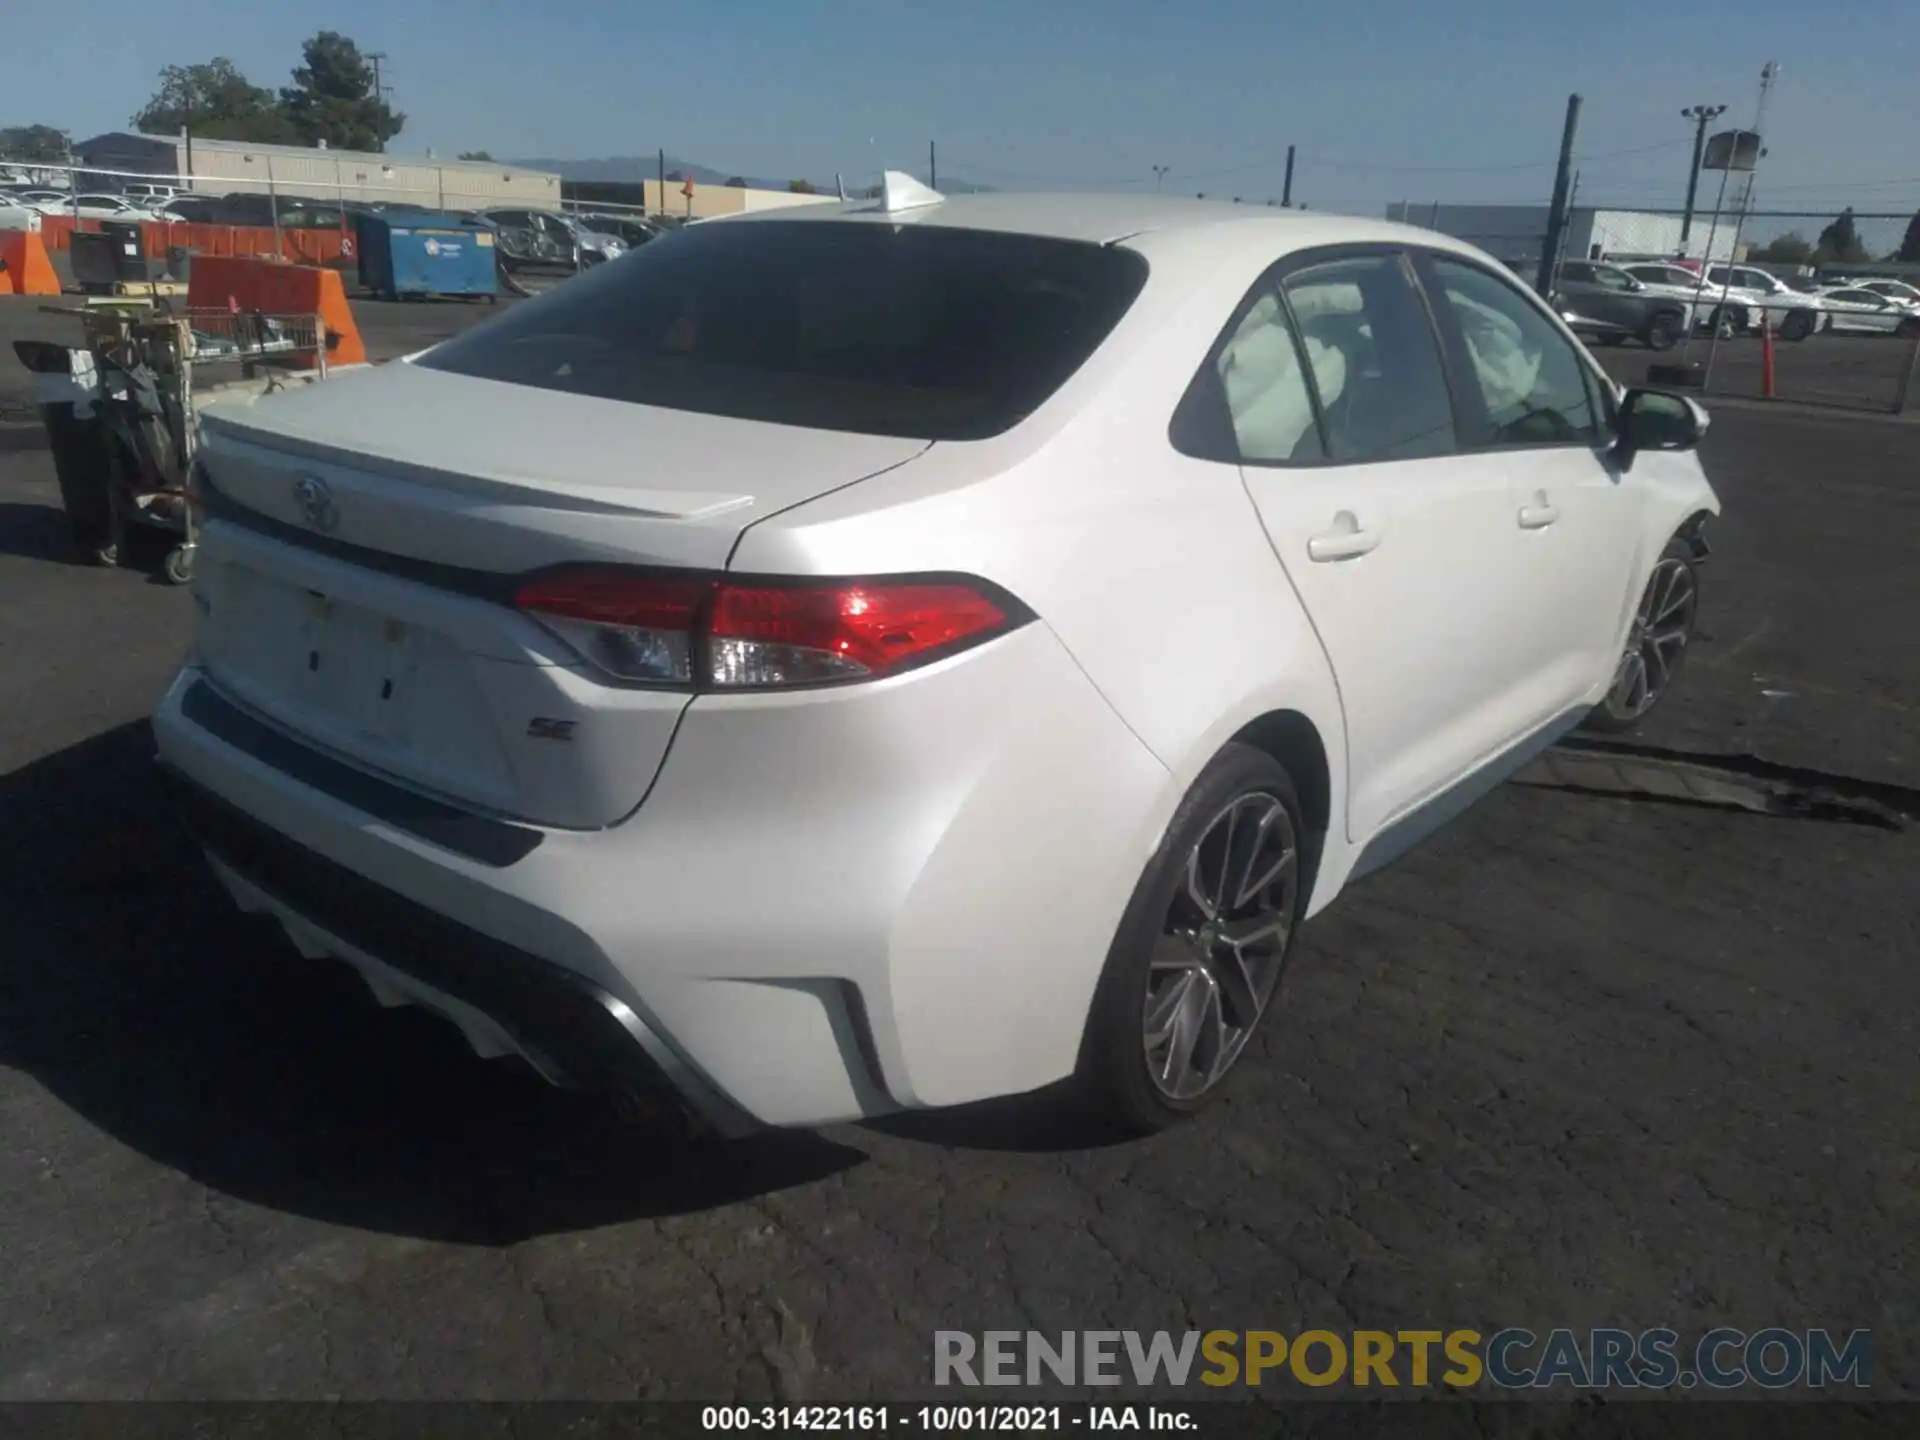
1401 547
1537 410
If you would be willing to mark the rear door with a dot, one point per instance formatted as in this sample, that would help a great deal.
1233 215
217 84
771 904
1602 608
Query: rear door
1401 547
1603 294
1537 412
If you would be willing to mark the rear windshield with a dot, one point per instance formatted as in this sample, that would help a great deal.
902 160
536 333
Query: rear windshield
912 330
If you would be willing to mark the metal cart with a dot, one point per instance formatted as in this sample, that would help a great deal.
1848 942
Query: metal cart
122 412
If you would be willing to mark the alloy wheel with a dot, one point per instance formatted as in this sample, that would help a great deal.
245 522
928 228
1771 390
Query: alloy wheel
1661 629
1218 959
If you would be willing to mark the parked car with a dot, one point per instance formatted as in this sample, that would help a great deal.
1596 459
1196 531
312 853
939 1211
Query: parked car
150 193
199 209
829 666
18 217
1598 291
1589 329
1861 311
1794 314
544 242
629 230
37 197
95 207
596 245
1729 312
1898 290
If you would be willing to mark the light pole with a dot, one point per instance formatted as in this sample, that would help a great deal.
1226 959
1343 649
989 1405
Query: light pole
1160 173
1702 116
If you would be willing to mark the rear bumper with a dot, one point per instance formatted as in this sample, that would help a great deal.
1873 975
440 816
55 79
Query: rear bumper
834 904
506 999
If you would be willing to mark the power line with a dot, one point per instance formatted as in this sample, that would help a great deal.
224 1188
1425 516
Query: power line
1304 157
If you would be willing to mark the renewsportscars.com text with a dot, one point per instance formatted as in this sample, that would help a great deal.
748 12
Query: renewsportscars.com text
1510 1359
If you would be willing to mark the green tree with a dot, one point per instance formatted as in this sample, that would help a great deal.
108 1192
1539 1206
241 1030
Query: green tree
475 155
1909 250
736 182
801 187
33 142
332 97
1840 241
216 101
1788 249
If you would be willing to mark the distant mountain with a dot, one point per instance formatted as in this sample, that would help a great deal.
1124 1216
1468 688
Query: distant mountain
631 168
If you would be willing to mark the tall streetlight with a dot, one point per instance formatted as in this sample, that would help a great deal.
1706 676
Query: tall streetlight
1702 116
1160 173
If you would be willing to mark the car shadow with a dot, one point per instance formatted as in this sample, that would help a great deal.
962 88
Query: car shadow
1047 1121
132 990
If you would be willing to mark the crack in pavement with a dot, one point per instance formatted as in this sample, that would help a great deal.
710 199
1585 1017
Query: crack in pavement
1721 782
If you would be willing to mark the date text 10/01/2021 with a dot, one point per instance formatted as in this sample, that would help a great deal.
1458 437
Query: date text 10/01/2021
965 1419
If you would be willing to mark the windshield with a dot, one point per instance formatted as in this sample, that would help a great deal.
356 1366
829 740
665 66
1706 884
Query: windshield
913 330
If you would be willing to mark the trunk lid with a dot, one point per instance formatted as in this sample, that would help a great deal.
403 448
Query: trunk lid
363 538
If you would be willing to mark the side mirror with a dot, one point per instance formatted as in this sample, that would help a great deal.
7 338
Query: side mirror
1657 420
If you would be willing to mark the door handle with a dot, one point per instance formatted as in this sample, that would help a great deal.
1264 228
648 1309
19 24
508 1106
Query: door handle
1345 541
1540 514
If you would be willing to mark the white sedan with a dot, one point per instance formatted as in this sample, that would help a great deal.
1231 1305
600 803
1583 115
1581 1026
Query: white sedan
95 207
1866 312
899 653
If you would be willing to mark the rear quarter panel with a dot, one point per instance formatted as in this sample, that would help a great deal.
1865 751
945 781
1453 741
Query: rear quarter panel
1152 568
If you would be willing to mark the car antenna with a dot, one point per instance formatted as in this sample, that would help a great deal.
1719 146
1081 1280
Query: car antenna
900 191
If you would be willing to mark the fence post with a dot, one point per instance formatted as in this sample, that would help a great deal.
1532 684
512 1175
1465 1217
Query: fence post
1906 380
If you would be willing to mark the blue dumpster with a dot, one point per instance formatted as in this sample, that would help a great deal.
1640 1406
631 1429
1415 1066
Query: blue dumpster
419 253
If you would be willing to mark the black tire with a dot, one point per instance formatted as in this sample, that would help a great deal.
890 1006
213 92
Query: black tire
1114 1069
1796 325
1663 331
1908 328
1657 655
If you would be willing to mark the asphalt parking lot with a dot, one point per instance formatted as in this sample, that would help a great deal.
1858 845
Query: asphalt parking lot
1583 1060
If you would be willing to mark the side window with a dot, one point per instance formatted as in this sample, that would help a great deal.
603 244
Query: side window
1528 375
1265 388
1374 360
1613 279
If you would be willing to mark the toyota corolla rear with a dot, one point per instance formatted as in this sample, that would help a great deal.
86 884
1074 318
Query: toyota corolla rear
477 705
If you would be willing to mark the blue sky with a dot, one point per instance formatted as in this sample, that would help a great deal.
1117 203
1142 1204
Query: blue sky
1386 99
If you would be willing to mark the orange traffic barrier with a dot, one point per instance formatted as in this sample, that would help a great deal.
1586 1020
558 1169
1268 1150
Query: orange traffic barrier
310 246
27 263
272 287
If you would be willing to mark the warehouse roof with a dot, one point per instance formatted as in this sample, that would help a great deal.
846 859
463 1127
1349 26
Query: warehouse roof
120 139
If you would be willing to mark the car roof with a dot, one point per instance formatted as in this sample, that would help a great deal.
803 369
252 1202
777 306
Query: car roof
1100 218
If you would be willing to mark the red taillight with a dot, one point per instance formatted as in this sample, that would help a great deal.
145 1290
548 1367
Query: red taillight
606 597
634 627
760 636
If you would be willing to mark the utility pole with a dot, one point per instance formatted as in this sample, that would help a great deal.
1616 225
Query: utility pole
1286 186
1159 175
1557 214
379 91
1702 116
933 168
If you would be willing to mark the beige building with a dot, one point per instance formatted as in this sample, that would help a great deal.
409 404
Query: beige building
710 201
221 167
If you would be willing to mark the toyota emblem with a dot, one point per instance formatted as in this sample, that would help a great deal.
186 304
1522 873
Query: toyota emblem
315 503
